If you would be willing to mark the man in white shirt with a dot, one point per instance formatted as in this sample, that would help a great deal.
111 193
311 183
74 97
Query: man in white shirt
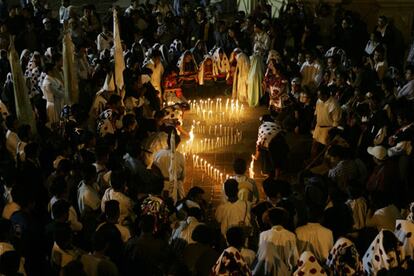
104 40
116 192
328 115
311 71
172 166
315 238
88 197
283 240
64 11
407 90
235 212
384 215
112 212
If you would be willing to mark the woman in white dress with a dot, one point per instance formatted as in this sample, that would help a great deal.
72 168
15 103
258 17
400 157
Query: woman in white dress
240 77
53 93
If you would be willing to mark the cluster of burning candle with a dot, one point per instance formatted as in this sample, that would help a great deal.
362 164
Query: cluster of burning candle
214 111
223 136
208 169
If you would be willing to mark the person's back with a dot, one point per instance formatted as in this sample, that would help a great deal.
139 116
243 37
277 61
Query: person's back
283 240
234 212
316 238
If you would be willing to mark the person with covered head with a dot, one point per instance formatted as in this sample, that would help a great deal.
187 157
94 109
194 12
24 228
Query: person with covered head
271 147
231 262
240 77
102 97
188 72
53 93
254 80
222 64
384 253
207 72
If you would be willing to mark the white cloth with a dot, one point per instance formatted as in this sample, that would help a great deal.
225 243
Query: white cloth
315 238
268 261
344 259
232 214
88 197
406 91
328 114
247 188
240 77
53 93
185 230
384 218
308 265
376 258
222 65
162 160
14 145
311 73
267 131
359 211
153 144
125 203
285 243
404 230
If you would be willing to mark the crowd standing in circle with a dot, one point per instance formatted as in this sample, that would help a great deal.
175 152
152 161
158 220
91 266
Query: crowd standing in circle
87 189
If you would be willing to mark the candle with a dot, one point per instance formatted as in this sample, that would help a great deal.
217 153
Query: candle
251 169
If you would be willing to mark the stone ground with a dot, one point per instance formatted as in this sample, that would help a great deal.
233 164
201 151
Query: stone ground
222 158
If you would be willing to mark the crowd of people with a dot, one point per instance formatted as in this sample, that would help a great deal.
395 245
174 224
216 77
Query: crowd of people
95 186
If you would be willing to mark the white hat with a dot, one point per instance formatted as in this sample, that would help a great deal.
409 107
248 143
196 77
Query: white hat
378 152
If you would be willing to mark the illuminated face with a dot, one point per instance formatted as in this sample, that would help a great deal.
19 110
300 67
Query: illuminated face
187 58
208 62
303 98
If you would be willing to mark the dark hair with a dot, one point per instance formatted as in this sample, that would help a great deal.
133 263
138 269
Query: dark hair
128 120
147 224
231 188
194 191
239 166
64 166
195 212
9 263
58 186
10 120
63 236
88 171
270 188
118 179
278 216
114 99
202 234
60 208
112 210
235 236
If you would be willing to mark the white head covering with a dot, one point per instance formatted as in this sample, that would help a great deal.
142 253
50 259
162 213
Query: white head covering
201 69
339 259
308 265
223 65
404 230
376 258
267 131
273 54
180 63
231 262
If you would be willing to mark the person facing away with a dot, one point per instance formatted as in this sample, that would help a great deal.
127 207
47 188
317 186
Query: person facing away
247 186
235 211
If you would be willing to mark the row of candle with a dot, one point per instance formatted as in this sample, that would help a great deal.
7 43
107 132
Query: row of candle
215 130
207 144
209 111
209 169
